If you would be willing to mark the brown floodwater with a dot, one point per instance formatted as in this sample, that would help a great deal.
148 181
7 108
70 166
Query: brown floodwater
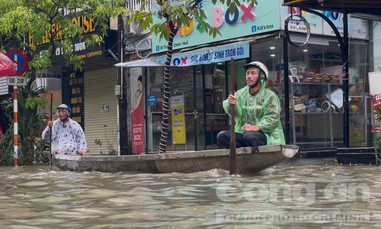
303 193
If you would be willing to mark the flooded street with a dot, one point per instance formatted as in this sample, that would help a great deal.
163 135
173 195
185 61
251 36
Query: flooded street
297 194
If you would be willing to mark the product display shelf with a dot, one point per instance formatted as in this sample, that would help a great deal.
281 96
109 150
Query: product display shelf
316 114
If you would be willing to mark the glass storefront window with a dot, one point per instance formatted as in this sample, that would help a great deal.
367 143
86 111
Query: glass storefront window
315 94
316 115
203 88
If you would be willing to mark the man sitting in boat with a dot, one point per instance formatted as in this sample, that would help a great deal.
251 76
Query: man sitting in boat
257 112
67 135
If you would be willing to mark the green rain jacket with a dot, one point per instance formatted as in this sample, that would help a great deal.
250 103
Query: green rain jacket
263 109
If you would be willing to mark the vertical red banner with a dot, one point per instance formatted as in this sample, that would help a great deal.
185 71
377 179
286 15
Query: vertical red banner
376 101
137 114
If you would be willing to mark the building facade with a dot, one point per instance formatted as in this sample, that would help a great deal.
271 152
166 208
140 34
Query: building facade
200 78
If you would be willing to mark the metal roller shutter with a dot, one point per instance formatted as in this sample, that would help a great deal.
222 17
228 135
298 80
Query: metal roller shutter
3 86
100 109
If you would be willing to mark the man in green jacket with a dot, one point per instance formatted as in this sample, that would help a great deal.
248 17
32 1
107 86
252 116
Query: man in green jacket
257 111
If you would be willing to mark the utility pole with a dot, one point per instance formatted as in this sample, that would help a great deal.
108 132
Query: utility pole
122 102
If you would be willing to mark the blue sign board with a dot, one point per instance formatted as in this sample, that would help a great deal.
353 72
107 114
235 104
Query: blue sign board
151 100
235 51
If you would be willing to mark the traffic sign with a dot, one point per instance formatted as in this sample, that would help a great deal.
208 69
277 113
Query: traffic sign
20 58
16 80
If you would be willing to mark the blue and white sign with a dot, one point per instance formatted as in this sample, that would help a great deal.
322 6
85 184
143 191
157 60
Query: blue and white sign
209 55
151 100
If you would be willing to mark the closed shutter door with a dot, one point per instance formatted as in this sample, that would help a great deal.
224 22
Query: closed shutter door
3 86
101 110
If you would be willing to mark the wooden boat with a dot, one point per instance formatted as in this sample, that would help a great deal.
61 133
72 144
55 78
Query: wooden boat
249 160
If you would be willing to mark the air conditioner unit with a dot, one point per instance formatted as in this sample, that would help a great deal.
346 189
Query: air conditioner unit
135 28
50 84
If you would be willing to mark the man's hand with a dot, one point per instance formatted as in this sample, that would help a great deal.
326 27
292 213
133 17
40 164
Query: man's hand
82 152
232 100
249 127
50 123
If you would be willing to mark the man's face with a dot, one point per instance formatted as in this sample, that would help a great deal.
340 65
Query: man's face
252 75
62 114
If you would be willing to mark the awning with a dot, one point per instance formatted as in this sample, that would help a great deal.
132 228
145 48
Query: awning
139 63
7 66
350 6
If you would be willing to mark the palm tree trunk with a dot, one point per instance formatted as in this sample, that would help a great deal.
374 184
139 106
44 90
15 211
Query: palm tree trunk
167 88
167 92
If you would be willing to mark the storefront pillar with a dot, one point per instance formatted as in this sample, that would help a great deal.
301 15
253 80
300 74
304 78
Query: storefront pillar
286 91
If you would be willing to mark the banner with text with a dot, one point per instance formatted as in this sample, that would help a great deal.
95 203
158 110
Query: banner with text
210 55
137 114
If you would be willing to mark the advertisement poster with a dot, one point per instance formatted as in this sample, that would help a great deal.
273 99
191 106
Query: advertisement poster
137 114
178 119
376 101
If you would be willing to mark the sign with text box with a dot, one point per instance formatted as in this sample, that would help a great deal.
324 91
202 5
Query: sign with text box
16 80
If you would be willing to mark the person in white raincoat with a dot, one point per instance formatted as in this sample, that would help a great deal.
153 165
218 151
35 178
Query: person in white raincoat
257 114
67 135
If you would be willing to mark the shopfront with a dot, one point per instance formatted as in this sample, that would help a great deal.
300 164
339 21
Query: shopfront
316 90
315 86
198 86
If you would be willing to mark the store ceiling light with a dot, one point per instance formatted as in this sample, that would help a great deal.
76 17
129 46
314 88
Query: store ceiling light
272 47
305 50
272 55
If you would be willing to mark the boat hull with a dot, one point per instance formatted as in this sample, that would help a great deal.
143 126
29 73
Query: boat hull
249 160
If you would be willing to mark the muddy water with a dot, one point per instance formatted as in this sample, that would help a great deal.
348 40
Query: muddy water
297 194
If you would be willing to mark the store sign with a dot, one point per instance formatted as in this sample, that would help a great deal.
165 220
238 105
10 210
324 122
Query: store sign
359 27
210 55
80 47
245 20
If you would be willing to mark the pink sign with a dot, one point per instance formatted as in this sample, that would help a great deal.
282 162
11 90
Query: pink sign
376 100
137 116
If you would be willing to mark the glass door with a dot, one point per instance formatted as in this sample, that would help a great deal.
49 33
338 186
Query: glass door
186 87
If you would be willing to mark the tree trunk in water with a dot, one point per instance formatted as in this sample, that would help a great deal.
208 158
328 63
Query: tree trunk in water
167 93
167 88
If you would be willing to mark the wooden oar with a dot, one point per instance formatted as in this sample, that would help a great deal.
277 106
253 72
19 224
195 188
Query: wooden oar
233 160
50 130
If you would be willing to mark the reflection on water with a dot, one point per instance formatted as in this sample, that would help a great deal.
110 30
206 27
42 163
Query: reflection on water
294 194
